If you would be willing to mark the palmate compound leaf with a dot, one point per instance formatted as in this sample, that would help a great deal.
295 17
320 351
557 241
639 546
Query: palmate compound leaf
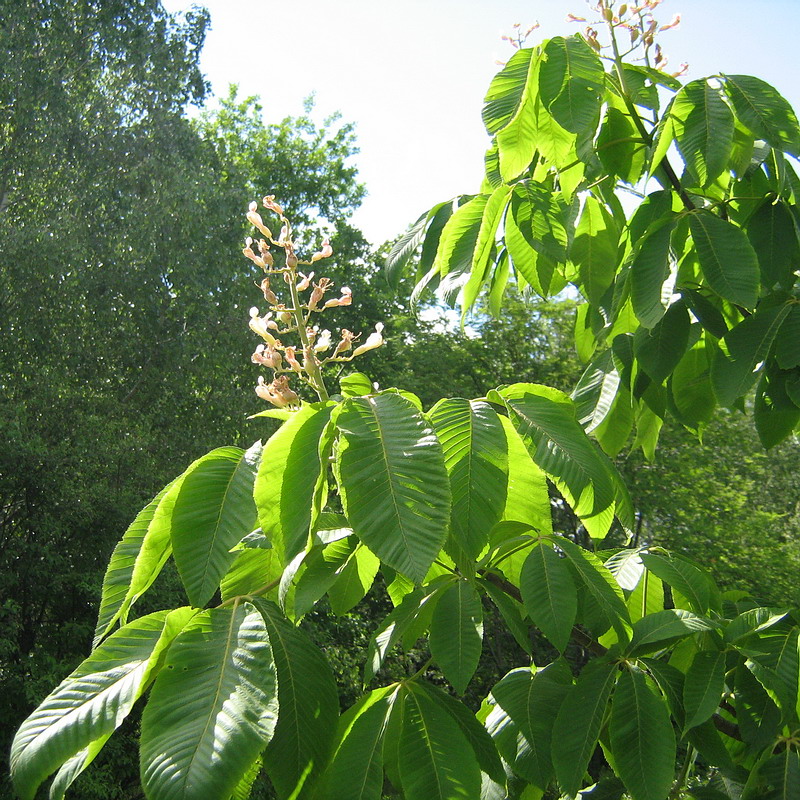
477 460
73 722
456 639
642 738
309 706
213 511
213 707
286 484
393 481
546 420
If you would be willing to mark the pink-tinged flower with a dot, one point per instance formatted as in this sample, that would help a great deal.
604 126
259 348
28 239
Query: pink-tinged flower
323 342
278 392
673 23
259 325
345 300
303 284
269 295
573 18
267 356
325 252
373 340
319 292
345 343
254 218
263 248
284 237
291 359
269 202
247 251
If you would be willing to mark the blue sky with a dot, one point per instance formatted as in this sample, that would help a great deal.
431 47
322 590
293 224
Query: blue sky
412 74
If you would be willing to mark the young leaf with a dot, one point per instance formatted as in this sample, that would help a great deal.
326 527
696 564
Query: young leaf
578 723
75 720
642 739
705 683
213 510
549 594
308 701
508 91
456 637
285 486
393 481
213 707
476 457
436 762
726 257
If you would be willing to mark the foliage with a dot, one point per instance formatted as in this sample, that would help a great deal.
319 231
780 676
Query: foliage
458 510
690 296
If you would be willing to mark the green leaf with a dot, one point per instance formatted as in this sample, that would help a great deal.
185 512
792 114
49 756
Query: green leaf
456 639
664 626
308 701
512 613
782 774
649 271
578 723
522 722
393 481
436 761
353 580
660 349
642 739
596 391
757 715
691 388
476 456
72 723
250 573
135 563
595 250
477 736
213 707
508 90
482 260
745 346
705 683
727 259
517 139
771 231
787 346
356 769
291 465
404 248
620 148
571 81
774 661
764 111
549 594
545 419
703 125
671 681
356 384
213 511
600 584
774 411
540 219
394 626
690 580
459 236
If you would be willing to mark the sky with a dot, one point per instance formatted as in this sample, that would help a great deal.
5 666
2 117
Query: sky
411 74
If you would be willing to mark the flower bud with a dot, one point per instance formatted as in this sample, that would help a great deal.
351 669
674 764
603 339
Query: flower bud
345 344
291 359
608 14
303 284
622 9
291 259
325 252
247 251
319 292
